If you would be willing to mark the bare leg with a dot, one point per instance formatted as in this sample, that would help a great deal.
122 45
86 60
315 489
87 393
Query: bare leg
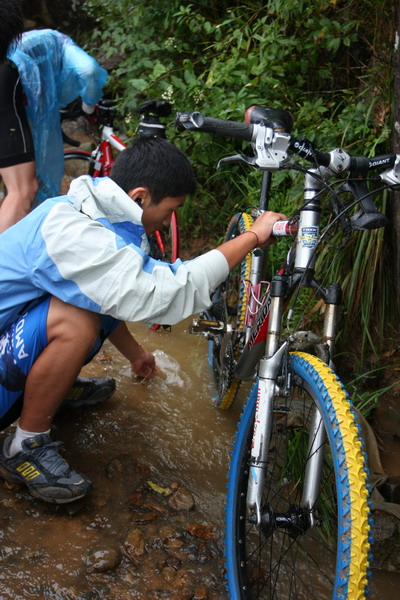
71 333
20 181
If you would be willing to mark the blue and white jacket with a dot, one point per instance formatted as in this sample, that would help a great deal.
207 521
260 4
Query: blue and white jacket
89 249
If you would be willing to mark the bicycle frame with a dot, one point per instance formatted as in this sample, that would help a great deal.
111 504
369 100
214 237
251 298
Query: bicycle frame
265 336
102 154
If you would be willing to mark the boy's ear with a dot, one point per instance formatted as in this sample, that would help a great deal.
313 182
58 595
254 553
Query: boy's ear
140 195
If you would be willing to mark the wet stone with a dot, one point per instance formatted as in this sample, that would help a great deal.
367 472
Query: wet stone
103 560
8 552
9 502
167 532
173 544
199 530
157 559
168 573
13 487
99 522
182 500
153 505
134 544
121 593
157 594
200 592
114 468
144 517
173 561
177 554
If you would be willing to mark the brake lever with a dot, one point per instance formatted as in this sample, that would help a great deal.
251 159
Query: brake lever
237 158
392 176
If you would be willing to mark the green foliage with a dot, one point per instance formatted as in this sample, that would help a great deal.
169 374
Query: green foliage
328 61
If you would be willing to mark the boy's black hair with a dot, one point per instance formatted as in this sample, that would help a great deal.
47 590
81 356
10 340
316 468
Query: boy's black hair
156 164
11 26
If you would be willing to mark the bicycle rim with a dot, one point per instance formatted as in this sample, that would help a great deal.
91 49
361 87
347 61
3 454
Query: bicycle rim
229 305
3 191
76 163
322 563
164 245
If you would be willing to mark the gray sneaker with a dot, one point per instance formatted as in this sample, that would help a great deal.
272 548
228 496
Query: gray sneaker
44 472
88 391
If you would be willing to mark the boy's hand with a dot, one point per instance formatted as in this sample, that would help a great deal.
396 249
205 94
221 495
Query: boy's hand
262 226
144 365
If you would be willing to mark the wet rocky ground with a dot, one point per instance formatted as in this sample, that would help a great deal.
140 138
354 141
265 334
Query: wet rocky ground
143 533
152 527
163 551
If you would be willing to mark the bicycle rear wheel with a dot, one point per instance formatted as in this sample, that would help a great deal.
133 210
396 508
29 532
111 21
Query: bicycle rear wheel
285 558
229 305
165 245
76 163
3 190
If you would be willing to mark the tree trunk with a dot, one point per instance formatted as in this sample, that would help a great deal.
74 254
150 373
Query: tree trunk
395 203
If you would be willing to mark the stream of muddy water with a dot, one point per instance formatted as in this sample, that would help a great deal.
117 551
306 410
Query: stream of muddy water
128 539
157 454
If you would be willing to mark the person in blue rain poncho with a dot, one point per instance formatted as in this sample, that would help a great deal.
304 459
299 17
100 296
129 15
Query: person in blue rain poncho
51 71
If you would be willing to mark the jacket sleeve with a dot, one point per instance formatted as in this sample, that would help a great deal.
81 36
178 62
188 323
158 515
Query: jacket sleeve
81 75
86 266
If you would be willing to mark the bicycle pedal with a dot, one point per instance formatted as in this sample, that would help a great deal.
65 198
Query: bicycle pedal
206 327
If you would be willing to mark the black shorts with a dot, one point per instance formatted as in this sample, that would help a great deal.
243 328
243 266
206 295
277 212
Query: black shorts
16 144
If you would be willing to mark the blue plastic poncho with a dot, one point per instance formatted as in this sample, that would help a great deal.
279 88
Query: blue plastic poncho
54 71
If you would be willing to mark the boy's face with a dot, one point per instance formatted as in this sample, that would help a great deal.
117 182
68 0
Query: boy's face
156 215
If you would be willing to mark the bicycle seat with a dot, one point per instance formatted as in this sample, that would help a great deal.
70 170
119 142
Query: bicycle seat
276 118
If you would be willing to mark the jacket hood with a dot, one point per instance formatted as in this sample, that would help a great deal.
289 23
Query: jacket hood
102 200
102 197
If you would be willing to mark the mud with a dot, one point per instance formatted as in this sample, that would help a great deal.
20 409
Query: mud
152 526
157 454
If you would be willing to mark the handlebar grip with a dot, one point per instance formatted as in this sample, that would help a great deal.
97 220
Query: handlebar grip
284 228
195 121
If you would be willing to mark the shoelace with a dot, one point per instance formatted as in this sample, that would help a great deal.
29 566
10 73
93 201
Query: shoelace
51 459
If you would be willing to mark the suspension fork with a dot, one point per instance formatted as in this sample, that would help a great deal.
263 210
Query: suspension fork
315 453
268 371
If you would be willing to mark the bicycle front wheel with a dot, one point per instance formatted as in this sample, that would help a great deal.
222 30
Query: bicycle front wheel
76 163
287 558
229 305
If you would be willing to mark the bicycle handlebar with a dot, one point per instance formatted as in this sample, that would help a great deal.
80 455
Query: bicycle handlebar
195 121
271 144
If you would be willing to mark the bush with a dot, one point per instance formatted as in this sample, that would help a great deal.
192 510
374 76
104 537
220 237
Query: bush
328 61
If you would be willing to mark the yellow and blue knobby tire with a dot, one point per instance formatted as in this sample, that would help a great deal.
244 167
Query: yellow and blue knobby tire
240 223
351 548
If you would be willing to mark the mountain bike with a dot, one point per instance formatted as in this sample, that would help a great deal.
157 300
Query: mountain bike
297 514
98 163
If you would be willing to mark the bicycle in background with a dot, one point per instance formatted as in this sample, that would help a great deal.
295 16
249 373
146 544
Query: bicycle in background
297 515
